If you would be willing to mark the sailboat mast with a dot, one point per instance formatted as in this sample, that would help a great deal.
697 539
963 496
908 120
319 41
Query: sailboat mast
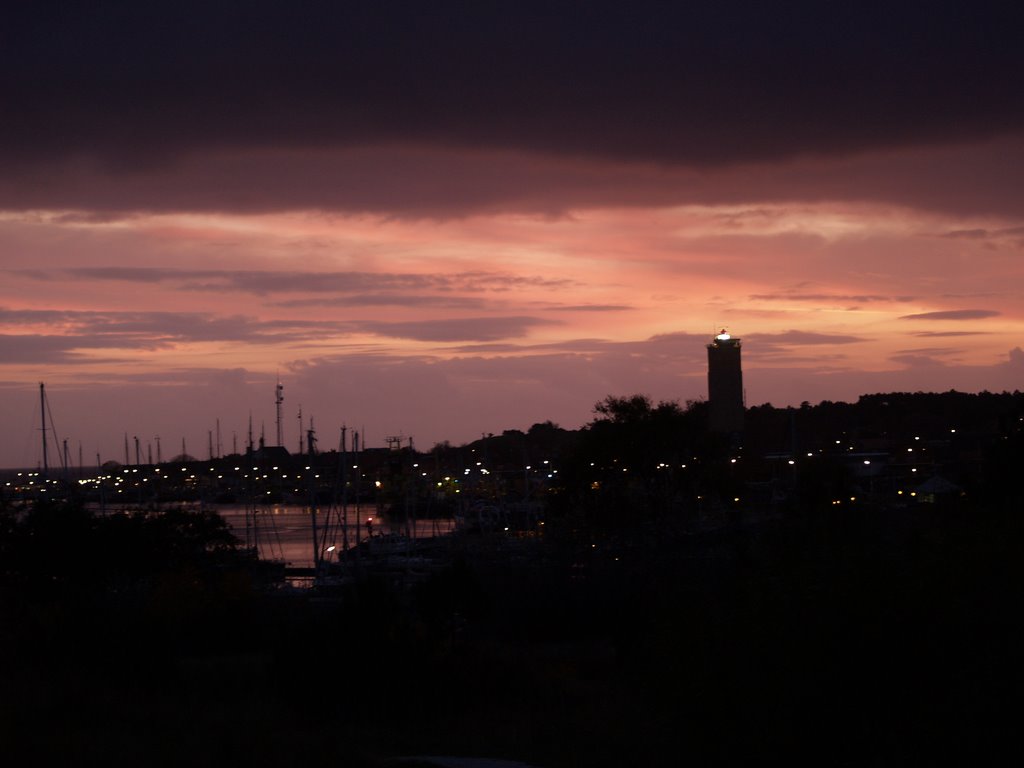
310 477
344 489
42 410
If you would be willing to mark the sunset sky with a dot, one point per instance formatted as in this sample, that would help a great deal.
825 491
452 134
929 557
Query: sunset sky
446 219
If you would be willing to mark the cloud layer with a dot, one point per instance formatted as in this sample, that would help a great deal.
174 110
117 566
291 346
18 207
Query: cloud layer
446 218
737 81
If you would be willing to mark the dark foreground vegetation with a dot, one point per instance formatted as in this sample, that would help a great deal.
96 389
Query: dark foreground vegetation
850 639
825 634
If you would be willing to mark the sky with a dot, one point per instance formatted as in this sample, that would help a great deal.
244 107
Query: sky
442 220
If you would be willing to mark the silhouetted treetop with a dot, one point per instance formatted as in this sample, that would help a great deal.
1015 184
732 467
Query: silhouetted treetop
633 408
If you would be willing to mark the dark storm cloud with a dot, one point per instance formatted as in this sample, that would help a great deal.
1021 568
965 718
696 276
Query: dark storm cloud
135 84
953 314
438 182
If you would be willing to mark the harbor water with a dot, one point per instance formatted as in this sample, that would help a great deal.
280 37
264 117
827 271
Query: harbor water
284 532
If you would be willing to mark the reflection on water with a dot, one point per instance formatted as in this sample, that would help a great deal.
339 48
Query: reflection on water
285 532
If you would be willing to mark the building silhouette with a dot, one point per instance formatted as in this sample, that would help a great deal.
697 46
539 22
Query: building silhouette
725 384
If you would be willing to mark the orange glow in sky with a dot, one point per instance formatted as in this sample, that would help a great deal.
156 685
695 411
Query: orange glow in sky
425 230
827 298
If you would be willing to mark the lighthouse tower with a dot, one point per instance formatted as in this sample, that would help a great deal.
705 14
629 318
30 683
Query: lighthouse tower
725 384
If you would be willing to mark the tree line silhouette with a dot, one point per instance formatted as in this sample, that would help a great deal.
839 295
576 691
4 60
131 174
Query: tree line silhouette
640 628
